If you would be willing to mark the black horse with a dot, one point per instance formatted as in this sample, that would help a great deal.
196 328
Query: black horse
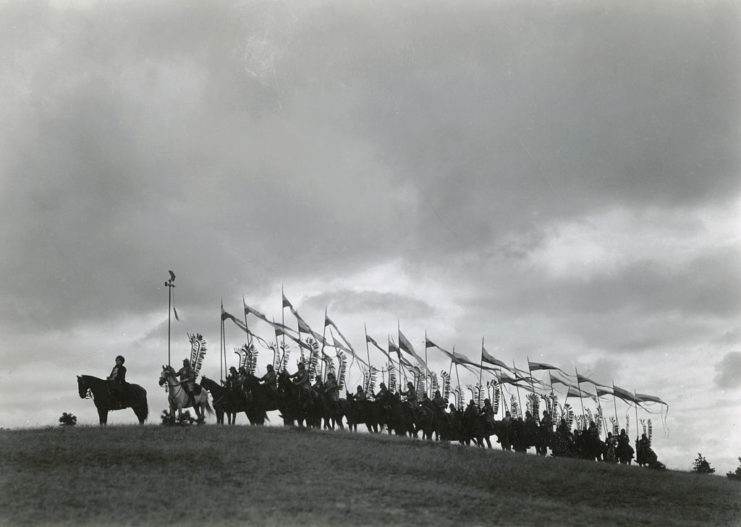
225 401
133 396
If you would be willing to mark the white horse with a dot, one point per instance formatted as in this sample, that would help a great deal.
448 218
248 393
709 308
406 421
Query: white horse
178 397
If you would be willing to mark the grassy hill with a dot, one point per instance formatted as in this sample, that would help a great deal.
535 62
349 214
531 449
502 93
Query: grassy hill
211 475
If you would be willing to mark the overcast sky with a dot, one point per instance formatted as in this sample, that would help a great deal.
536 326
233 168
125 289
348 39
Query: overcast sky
559 178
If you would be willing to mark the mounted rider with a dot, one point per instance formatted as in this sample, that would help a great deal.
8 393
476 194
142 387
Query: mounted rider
488 411
331 388
382 394
332 391
360 394
302 381
411 395
439 402
117 380
472 410
317 388
232 380
270 379
188 380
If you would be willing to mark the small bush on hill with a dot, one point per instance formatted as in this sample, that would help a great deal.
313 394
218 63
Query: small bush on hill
67 420
183 419
701 465
735 475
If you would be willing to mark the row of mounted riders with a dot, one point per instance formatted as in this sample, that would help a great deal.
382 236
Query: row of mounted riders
319 405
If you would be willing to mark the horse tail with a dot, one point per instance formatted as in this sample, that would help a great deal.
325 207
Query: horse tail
140 407
208 407
145 407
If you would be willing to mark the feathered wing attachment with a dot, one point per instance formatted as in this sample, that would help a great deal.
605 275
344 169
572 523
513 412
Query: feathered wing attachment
458 396
433 382
392 377
242 358
495 395
313 358
615 426
627 423
446 385
480 395
372 374
533 404
342 359
514 407
197 351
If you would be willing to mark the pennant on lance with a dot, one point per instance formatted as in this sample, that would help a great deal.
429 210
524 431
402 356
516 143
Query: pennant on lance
535 366
286 302
625 395
644 398
252 311
580 378
490 359
371 340
575 392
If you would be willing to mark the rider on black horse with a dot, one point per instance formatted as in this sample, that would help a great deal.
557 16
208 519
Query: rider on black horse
117 380
301 379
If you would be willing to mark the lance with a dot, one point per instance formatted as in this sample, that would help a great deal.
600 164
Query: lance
614 402
457 377
169 284
517 386
222 345
532 385
367 353
578 387
283 318
324 334
635 402
427 370
481 369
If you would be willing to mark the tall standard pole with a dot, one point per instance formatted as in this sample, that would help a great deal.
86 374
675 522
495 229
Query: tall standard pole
614 402
324 337
532 385
169 284
578 387
519 400
481 370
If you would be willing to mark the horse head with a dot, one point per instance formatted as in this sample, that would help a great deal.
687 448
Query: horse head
167 372
82 387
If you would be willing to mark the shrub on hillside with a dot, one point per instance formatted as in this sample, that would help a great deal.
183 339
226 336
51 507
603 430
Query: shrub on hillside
67 420
183 419
701 465
735 475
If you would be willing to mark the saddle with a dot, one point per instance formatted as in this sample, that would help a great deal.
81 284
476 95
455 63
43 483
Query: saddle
117 392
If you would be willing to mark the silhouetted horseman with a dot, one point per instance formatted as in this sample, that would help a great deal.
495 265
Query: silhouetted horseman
117 381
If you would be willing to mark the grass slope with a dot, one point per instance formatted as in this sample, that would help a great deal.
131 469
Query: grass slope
210 475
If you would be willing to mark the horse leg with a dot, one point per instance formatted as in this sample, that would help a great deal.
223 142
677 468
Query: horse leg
139 411
103 416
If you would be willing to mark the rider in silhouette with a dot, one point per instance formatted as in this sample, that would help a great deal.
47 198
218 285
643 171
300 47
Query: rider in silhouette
117 380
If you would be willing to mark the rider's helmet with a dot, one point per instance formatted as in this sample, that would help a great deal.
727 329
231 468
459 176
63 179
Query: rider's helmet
186 362
122 359
270 367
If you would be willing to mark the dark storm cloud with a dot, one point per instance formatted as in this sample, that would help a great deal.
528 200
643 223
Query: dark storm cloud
241 141
728 371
